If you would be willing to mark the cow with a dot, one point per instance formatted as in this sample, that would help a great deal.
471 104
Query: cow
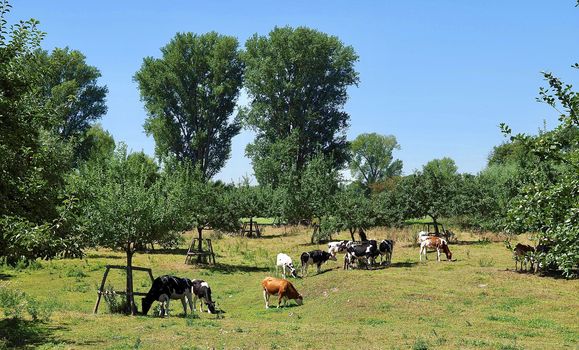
385 248
523 253
202 291
285 262
164 289
317 257
435 243
367 250
283 288
337 247
423 236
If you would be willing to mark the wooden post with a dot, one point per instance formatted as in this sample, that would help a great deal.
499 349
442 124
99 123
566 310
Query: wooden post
100 291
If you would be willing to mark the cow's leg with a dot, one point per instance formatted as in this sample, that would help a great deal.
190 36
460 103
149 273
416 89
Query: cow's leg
266 298
184 304
437 254
319 265
167 308
195 301
420 253
190 300
162 309
283 271
279 298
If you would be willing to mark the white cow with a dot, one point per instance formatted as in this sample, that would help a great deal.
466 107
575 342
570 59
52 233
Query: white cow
285 262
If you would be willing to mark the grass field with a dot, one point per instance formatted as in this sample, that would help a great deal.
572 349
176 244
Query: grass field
475 302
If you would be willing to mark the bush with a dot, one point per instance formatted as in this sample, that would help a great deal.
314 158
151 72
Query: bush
116 303
14 303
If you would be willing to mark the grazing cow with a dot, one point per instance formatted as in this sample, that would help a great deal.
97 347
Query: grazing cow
202 291
435 243
285 262
164 289
423 236
317 257
385 248
283 288
366 250
523 254
337 247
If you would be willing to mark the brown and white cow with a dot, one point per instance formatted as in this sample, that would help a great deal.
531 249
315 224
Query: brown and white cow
435 243
283 288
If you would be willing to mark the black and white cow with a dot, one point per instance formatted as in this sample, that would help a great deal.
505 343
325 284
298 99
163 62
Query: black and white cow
164 289
337 247
316 257
367 250
386 247
201 290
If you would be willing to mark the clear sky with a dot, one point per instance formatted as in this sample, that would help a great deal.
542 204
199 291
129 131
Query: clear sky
439 75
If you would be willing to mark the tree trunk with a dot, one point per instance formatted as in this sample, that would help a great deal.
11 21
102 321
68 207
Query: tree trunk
130 296
200 244
352 230
362 234
251 227
435 224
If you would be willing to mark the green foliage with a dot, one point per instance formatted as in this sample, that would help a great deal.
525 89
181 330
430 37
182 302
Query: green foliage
432 191
69 85
548 201
297 80
15 303
116 303
371 160
189 94
353 211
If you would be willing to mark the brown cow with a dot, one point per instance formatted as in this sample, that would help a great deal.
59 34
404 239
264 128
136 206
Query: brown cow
283 288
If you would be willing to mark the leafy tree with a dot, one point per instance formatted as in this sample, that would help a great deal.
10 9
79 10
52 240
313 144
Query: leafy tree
353 212
121 209
204 204
70 86
432 191
97 144
319 183
190 93
372 161
297 81
548 201
252 201
33 160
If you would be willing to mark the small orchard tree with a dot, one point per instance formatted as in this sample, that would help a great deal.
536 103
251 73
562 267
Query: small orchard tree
319 183
204 204
353 211
122 208
432 191
252 201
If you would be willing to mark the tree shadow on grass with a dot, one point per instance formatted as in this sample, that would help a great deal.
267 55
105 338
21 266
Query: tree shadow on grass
5 276
17 333
404 264
229 269
479 242
170 251
104 256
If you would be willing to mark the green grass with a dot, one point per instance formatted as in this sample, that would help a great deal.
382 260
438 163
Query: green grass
475 302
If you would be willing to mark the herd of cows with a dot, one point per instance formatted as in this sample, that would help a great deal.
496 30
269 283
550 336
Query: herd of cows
365 253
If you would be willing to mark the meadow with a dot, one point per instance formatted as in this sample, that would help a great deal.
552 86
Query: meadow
475 302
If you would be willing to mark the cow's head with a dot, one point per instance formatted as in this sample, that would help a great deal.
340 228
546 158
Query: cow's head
211 306
447 252
146 305
328 256
300 300
293 271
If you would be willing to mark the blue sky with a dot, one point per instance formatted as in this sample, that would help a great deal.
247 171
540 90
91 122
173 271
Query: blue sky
439 75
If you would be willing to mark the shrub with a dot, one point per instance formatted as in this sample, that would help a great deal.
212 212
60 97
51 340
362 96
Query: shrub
14 303
116 303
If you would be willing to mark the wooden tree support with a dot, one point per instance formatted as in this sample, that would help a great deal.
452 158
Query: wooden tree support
251 227
101 290
204 256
